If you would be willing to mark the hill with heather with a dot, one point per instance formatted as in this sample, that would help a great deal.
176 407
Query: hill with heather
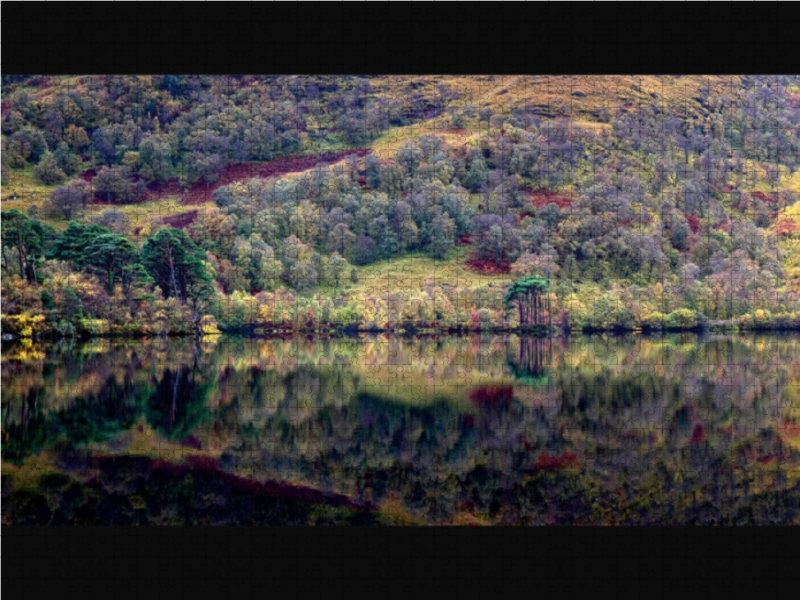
166 204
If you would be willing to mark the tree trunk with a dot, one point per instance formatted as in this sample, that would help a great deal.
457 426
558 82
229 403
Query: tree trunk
33 272
197 318
21 253
172 271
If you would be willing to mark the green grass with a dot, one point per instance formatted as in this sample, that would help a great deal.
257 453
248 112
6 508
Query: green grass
410 273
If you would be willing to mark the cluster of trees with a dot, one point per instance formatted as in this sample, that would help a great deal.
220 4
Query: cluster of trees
189 126
88 273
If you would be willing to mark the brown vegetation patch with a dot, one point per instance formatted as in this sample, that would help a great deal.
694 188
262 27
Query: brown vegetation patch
787 227
772 197
694 223
492 395
548 462
790 429
543 197
488 266
768 458
88 175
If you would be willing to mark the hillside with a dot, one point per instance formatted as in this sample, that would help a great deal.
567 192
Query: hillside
385 202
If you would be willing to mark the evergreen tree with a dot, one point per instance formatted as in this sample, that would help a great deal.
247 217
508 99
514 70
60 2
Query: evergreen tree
113 258
529 294
72 243
176 264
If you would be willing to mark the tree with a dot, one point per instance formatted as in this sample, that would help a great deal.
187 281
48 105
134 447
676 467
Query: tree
610 312
532 264
442 236
114 258
114 220
48 172
408 234
203 167
478 174
529 295
341 240
66 202
116 183
365 250
72 243
215 230
30 240
155 156
337 267
67 161
176 264
495 239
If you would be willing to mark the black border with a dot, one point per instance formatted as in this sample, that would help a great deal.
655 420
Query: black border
198 562
398 38
392 38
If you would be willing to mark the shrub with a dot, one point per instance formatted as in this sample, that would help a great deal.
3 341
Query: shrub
682 318
656 320
762 319
23 325
208 325
48 172
93 326
65 329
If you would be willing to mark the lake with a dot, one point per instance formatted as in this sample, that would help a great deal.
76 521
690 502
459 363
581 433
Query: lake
481 429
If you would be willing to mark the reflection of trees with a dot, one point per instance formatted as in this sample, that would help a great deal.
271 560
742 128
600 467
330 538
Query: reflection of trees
94 418
639 408
530 360
178 403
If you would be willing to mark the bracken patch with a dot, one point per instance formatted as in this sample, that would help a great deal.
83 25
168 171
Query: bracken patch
543 197
488 266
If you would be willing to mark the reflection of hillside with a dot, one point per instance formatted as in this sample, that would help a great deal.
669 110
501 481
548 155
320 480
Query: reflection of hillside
434 422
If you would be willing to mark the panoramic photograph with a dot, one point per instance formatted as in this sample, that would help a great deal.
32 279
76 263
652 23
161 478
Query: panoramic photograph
400 300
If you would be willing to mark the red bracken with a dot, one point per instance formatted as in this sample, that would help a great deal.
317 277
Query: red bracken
548 462
543 197
488 266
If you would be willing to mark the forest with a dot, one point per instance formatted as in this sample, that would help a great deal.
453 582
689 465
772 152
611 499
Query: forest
158 205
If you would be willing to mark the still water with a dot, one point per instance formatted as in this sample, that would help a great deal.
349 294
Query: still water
679 429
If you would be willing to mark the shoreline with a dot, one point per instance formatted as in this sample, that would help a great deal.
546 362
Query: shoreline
412 332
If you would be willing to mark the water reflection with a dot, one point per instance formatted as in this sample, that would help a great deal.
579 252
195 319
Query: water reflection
478 429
